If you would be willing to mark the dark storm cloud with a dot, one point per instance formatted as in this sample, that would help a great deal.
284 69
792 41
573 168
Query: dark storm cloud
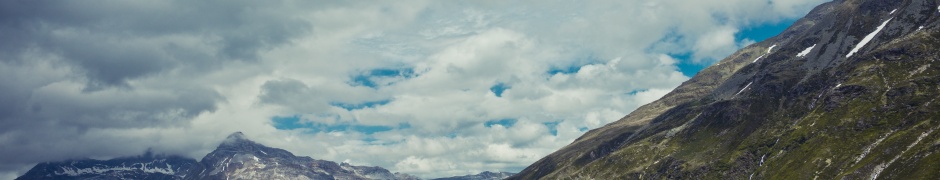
70 68
116 41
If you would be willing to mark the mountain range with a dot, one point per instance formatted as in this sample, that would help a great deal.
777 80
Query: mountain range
235 158
848 92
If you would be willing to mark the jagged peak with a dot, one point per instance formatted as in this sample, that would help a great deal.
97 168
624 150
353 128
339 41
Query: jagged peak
237 140
237 135
234 138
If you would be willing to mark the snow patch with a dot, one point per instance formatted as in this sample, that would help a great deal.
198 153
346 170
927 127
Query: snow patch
771 48
742 89
761 160
145 167
758 58
867 39
920 28
838 85
806 51
892 11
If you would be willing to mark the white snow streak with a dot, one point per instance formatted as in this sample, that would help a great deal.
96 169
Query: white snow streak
770 49
761 160
881 167
145 167
892 11
806 51
758 58
838 85
867 39
868 149
742 89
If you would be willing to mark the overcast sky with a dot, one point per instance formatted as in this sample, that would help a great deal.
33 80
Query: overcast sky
430 88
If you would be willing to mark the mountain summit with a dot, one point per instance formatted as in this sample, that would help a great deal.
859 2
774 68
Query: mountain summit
236 158
848 92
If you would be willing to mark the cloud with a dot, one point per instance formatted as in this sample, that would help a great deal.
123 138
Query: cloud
108 78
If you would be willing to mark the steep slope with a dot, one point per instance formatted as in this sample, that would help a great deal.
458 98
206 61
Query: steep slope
847 91
486 175
236 158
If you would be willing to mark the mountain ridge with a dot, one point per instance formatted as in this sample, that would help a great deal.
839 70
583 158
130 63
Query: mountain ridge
485 175
235 158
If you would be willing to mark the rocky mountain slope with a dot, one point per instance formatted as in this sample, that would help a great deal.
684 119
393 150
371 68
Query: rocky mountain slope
236 158
485 175
849 91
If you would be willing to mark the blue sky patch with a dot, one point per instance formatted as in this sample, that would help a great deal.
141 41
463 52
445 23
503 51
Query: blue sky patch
294 122
552 127
499 88
574 68
763 31
757 33
366 78
503 122
368 104
686 66
286 123
637 91
567 70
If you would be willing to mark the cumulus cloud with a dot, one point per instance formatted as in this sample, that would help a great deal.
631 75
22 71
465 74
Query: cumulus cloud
453 87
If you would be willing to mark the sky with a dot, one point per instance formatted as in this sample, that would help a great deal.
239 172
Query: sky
429 88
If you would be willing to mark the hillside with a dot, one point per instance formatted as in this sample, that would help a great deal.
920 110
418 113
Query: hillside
848 91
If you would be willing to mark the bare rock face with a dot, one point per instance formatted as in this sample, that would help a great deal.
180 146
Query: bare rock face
486 175
236 158
849 91
240 158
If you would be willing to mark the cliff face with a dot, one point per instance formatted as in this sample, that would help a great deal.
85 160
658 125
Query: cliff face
848 91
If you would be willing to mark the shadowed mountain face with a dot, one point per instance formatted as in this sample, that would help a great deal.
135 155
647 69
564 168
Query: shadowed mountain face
486 175
849 91
141 167
235 158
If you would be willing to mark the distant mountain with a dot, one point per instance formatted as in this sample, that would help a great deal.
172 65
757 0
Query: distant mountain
236 158
848 92
142 167
486 175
